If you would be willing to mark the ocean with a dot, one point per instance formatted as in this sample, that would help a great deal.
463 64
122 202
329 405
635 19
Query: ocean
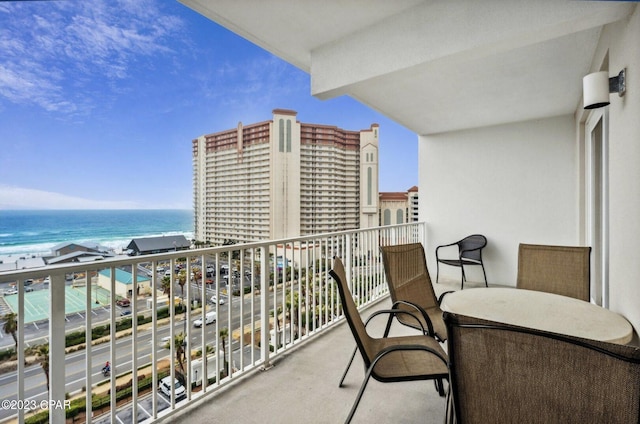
35 232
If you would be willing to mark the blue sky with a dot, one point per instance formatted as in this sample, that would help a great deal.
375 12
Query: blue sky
99 102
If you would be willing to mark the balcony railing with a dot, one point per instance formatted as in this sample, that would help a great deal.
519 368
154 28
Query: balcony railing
276 294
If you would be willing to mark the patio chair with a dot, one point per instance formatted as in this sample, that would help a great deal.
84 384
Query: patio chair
389 359
563 270
469 253
501 373
411 290
410 286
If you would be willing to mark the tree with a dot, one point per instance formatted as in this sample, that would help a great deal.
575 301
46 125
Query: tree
11 327
166 285
224 335
182 279
43 356
178 343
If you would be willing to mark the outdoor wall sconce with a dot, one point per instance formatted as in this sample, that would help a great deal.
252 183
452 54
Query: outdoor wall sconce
597 86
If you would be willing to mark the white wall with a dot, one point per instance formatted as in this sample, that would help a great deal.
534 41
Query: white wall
620 41
513 183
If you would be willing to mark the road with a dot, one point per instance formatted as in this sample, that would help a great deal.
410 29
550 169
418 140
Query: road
35 381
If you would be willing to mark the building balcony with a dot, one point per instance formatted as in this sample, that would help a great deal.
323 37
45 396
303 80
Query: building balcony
291 369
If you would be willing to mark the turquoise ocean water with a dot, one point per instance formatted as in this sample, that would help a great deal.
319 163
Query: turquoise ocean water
37 231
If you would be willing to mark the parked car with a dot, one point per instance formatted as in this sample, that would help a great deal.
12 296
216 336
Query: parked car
124 302
167 273
10 291
28 289
214 299
209 318
125 312
165 388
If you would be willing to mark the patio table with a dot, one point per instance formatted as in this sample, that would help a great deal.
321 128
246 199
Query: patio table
541 311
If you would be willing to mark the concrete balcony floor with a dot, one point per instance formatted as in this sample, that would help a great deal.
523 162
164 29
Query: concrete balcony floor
302 386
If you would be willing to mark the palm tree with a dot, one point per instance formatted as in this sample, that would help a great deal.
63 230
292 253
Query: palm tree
182 279
178 343
11 327
43 356
166 285
224 334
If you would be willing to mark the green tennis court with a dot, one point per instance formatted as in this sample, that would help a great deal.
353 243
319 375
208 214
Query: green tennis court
36 303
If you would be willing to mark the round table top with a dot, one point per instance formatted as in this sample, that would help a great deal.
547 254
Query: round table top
541 311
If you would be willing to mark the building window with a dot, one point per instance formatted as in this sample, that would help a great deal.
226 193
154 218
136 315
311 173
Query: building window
399 216
281 136
288 135
369 183
386 220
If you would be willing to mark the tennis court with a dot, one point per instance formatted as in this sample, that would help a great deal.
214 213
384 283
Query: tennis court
36 303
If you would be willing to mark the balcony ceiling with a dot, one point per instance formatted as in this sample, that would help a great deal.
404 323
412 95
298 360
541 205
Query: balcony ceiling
432 66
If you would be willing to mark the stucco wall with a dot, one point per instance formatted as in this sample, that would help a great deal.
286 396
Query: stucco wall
513 183
620 42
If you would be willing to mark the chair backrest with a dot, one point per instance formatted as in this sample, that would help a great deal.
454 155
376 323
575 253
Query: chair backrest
563 270
405 267
471 247
506 374
351 313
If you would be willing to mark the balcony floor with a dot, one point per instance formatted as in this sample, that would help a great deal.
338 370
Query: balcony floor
303 386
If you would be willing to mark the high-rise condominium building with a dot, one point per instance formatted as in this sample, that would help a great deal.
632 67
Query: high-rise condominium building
283 178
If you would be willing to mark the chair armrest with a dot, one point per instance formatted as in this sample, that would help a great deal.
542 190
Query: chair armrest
443 294
394 312
444 245
418 308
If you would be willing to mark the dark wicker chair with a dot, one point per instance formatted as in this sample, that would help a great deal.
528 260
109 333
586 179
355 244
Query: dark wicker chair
469 253
389 359
563 270
507 374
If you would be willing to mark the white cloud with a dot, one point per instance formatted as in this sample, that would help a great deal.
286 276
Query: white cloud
26 198
47 49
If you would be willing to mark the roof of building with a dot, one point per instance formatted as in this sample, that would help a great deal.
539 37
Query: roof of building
123 276
159 244
412 189
92 247
393 195
77 256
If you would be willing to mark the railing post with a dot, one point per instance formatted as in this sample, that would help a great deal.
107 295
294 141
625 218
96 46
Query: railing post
264 312
56 349
347 260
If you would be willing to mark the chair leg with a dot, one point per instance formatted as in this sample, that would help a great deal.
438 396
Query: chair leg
485 275
353 355
437 271
463 277
439 386
360 392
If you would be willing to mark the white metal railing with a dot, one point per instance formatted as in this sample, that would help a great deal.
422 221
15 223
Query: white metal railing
280 286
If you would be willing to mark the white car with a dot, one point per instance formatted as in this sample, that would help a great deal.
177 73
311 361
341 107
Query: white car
214 299
10 291
165 388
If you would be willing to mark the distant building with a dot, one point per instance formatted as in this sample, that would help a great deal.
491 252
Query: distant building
124 283
78 252
162 244
283 178
13 262
398 207
66 248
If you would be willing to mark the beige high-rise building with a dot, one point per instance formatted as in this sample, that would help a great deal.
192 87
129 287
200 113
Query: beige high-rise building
283 178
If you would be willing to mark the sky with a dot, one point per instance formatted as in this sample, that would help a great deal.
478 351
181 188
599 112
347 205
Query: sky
100 100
